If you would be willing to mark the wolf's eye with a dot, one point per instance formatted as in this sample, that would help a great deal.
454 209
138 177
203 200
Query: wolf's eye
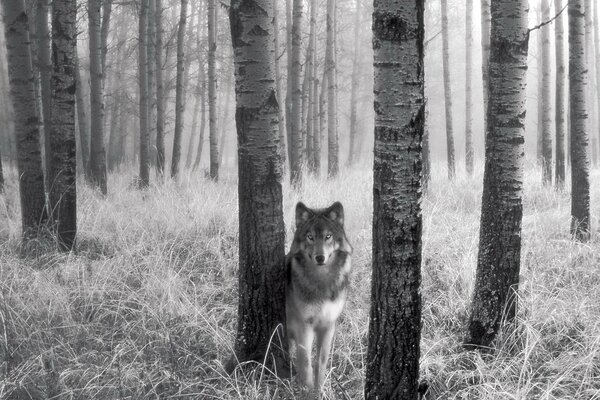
328 236
309 237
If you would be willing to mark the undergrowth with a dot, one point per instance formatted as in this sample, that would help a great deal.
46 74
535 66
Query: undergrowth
146 306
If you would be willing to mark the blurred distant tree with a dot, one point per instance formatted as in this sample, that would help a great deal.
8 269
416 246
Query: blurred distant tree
152 81
469 87
295 137
280 96
44 65
560 96
580 162
392 366
331 67
179 90
22 92
590 64
426 175
447 92
318 144
97 145
597 65
546 101
199 96
309 87
261 308
498 262
212 90
485 57
62 175
82 121
160 93
143 96
355 86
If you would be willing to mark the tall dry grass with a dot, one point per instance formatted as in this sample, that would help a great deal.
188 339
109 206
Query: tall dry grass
146 308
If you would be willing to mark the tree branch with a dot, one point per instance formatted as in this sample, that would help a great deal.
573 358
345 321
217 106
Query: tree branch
549 21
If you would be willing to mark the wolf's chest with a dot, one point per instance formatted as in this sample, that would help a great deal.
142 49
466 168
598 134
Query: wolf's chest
322 312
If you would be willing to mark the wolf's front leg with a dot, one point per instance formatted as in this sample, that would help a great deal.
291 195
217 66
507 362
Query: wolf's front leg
304 342
324 339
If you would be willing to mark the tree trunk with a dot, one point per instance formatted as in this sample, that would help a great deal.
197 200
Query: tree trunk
190 150
322 114
179 94
261 307
97 147
580 162
44 64
290 73
469 88
280 98
212 91
310 81
150 60
332 133
22 93
202 124
546 106
63 175
104 29
560 97
540 93
355 86
392 365
160 92
143 96
82 122
597 67
447 92
486 21
426 176
498 263
316 132
200 86
295 141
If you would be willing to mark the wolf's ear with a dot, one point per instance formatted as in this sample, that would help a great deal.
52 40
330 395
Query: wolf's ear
302 214
335 212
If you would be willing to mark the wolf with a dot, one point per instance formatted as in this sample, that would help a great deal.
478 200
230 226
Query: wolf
318 274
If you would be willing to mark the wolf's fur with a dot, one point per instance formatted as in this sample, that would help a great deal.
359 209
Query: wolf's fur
318 269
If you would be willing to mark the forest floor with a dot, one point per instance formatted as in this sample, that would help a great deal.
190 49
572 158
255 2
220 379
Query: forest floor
146 307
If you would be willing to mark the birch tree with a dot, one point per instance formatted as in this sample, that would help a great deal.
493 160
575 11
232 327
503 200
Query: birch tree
559 115
469 87
580 162
546 105
97 146
447 92
295 140
597 67
212 90
392 368
179 90
144 134
354 87
26 120
330 65
278 80
498 262
261 307
63 174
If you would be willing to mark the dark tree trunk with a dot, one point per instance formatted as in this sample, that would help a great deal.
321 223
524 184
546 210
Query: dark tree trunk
143 96
580 159
202 126
83 122
22 93
212 90
392 370
44 64
546 106
97 146
499 257
179 91
160 92
63 175
560 97
261 308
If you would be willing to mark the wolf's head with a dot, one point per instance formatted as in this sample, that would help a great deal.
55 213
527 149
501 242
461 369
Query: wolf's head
320 232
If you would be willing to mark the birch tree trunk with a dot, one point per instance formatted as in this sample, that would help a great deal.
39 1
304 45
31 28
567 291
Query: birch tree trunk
316 132
179 91
355 86
546 105
559 115
97 147
310 81
580 162
63 175
143 97
498 262
290 73
486 21
212 91
469 87
392 367
160 91
104 30
332 133
26 120
447 92
280 98
261 307
597 67
294 81
44 64
322 119
540 93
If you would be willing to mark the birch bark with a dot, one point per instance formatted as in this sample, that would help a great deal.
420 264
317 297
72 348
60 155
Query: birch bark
559 115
